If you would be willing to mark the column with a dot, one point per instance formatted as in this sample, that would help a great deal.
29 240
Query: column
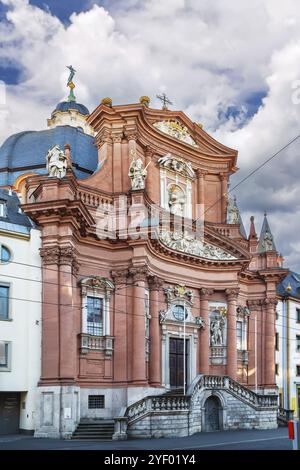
117 162
231 332
139 332
155 285
68 314
270 305
201 196
120 372
50 314
204 332
253 344
224 190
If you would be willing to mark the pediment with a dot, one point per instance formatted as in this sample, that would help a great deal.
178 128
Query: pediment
176 129
211 249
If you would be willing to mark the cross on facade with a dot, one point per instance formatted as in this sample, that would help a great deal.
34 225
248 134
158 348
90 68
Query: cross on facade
165 100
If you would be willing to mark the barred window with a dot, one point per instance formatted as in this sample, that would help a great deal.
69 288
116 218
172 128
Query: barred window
96 402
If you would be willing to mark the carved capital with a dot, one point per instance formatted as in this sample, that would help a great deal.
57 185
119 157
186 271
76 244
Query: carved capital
131 133
155 283
223 176
117 137
254 304
68 257
149 152
270 302
201 173
50 255
104 136
139 273
120 276
205 293
232 294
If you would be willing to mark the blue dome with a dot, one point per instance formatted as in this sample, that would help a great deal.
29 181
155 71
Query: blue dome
66 105
26 152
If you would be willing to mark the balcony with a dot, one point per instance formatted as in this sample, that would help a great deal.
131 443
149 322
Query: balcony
218 355
96 343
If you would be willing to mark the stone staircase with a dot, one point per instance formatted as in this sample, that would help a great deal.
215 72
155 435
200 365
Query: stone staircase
94 430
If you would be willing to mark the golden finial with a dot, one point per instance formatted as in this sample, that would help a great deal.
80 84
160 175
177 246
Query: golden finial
107 101
288 288
145 100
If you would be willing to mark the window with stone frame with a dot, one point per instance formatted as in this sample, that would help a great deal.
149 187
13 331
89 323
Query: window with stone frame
5 355
4 302
298 315
94 307
3 209
96 292
239 335
298 370
241 327
298 343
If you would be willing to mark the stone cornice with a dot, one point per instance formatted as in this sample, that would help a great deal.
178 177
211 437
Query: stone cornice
41 212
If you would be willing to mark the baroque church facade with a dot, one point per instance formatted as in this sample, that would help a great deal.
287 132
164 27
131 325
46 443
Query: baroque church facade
150 283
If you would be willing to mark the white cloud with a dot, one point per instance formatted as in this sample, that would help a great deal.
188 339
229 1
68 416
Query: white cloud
205 55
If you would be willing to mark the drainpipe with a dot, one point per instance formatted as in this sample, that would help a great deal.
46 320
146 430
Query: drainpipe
288 351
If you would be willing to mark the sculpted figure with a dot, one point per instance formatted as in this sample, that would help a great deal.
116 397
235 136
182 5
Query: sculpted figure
216 331
57 162
268 241
137 173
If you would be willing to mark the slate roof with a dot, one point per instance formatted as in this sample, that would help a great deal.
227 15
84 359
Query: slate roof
66 105
26 152
292 279
14 220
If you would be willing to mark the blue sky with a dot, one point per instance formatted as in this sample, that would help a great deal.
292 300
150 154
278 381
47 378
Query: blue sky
222 63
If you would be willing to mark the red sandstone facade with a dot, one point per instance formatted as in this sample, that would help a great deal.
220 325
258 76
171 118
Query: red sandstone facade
136 351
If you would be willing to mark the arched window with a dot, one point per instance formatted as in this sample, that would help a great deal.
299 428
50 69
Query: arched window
5 254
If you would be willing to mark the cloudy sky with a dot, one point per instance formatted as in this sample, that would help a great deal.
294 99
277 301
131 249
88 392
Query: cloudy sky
232 65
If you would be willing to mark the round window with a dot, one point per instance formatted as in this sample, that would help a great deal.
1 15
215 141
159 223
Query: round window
4 254
179 312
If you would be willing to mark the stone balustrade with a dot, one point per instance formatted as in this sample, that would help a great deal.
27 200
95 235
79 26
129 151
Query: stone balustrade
96 343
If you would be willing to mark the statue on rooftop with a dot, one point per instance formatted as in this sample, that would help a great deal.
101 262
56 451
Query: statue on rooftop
57 162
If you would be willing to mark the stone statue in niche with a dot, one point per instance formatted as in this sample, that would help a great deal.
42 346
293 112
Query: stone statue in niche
57 162
217 325
176 200
268 241
137 173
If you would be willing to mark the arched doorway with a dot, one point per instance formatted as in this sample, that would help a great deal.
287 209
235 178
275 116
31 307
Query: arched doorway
212 414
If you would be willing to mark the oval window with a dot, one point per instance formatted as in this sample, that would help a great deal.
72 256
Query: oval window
4 254
179 312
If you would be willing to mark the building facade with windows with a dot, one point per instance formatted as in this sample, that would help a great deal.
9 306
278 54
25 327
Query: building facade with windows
150 283
20 317
288 343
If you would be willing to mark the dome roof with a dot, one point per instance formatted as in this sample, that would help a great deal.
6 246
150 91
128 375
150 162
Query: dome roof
66 105
26 152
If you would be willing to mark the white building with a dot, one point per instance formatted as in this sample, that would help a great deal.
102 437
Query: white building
287 345
20 317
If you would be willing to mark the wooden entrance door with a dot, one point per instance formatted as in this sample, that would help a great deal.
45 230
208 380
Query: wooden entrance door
9 413
212 414
176 362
